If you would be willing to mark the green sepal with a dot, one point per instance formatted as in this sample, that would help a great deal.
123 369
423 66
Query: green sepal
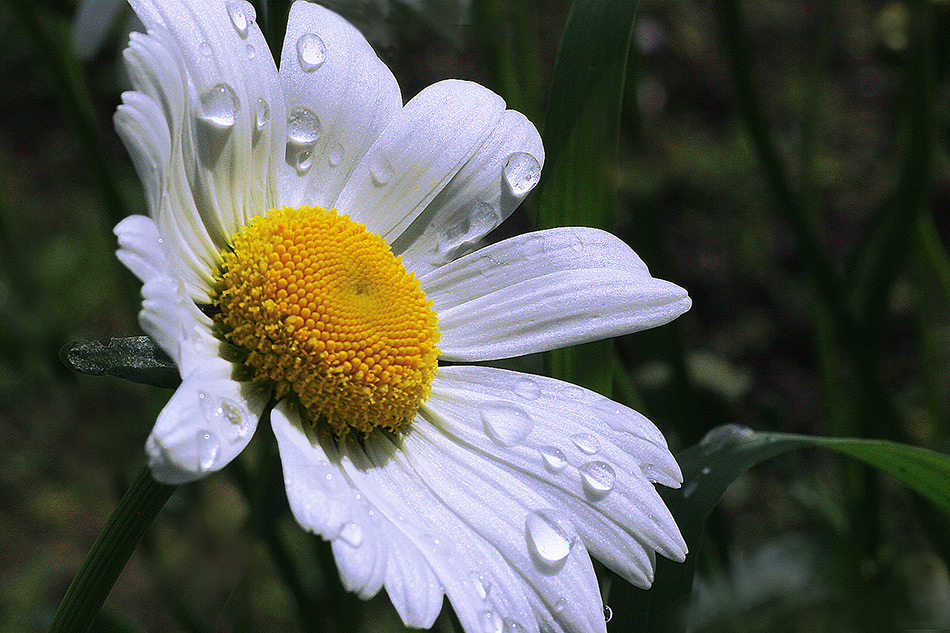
135 358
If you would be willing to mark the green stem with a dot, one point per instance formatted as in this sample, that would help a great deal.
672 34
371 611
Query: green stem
109 554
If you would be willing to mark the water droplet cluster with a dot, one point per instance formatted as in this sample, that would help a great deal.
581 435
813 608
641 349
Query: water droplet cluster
328 314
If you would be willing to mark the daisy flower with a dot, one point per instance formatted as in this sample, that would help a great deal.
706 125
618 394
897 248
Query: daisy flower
308 248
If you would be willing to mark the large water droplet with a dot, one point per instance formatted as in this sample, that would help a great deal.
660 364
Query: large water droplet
335 155
598 479
238 12
219 106
553 459
491 622
352 535
586 442
208 447
506 424
303 131
549 539
527 389
482 584
311 52
522 172
381 171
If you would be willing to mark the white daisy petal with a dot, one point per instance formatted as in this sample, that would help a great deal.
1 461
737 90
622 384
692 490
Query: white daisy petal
168 315
418 153
210 71
324 501
208 421
482 195
339 97
583 453
545 290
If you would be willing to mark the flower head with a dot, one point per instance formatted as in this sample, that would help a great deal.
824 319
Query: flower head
309 243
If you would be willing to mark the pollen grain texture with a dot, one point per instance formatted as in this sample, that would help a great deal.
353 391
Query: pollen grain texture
326 312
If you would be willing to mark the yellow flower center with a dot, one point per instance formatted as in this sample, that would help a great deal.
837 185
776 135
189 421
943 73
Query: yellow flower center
327 313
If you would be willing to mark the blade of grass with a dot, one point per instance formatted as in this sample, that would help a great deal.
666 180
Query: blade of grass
581 133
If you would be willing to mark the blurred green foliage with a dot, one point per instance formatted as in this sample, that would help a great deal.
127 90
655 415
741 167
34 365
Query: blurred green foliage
784 162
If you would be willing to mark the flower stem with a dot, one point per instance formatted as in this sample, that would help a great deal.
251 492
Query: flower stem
110 552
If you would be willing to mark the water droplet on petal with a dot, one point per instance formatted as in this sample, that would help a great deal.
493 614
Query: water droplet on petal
335 156
236 11
225 414
491 623
262 114
522 172
352 535
553 459
560 605
205 49
438 544
219 106
527 389
608 613
482 583
598 479
506 424
311 52
586 442
303 131
250 51
513 626
381 171
549 539
208 447
576 244
471 223
572 392
651 472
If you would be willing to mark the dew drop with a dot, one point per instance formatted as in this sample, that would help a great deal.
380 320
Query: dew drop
608 613
471 223
726 434
482 584
219 106
586 442
381 171
560 605
527 389
311 52
506 424
553 458
651 472
208 447
549 539
239 19
513 626
303 130
352 535
491 623
598 479
225 414
250 51
205 49
522 172
335 156
262 114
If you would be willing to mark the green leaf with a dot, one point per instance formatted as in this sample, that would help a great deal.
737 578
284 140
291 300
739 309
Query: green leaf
581 136
135 358
109 554
710 466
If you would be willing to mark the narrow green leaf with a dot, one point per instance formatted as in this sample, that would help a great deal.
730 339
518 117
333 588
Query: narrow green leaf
581 136
710 466
135 358
109 554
